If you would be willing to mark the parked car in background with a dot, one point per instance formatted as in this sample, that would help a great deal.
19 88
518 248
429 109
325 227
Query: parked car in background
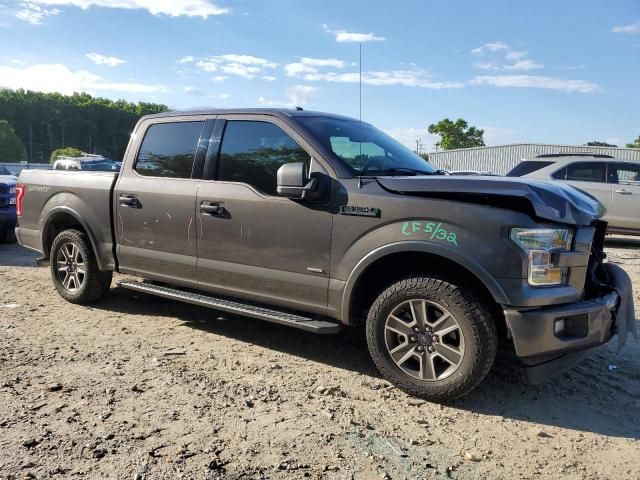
7 205
94 163
615 183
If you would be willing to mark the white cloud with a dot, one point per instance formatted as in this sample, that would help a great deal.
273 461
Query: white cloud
524 65
516 55
343 36
171 8
244 60
269 78
407 78
301 95
633 29
297 96
501 136
59 78
408 137
487 66
517 58
207 66
311 65
246 66
104 60
34 14
535 81
241 70
219 78
194 91
490 47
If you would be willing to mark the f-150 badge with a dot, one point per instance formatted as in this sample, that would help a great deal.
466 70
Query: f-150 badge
360 211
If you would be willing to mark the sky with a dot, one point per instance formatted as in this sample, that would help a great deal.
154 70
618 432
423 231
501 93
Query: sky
563 72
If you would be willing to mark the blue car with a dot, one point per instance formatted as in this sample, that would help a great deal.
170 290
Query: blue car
8 218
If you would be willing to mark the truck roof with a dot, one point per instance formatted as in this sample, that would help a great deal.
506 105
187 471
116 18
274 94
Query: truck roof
278 112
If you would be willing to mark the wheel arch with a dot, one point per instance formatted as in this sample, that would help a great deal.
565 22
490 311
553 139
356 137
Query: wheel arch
63 218
400 259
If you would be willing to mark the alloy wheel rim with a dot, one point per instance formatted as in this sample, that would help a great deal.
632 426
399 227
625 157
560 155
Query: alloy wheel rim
70 267
424 339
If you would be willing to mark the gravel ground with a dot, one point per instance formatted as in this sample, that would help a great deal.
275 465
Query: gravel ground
144 388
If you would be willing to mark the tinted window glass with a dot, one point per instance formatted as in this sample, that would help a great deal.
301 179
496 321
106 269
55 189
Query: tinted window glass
168 149
560 174
524 168
627 173
252 152
587 172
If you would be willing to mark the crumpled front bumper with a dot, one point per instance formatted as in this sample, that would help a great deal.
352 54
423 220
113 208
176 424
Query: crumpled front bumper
548 350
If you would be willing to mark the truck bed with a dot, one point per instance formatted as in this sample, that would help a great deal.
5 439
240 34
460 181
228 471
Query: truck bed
81 198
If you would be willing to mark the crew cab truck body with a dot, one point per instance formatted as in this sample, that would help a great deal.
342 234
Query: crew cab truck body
316 221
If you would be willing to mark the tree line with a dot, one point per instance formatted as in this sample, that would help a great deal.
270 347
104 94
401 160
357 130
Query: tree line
44 122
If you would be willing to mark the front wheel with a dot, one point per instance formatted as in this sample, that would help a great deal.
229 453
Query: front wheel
74 268
431 338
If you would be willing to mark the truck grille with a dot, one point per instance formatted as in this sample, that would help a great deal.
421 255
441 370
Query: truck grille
596 282
4 189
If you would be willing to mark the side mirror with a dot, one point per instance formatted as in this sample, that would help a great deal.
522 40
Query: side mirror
293 181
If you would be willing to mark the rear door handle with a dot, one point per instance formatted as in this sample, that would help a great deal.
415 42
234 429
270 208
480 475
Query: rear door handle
212 208
623 191
129 200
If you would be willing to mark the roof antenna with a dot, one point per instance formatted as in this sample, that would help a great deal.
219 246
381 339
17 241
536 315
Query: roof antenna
360 118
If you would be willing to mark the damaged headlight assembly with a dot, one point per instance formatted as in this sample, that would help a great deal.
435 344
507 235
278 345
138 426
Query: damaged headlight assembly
539 244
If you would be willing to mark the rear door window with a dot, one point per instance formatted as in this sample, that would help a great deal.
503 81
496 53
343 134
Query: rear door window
525 168
583 172
168 149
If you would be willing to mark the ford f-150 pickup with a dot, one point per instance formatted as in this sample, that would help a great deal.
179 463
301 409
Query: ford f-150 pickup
319 221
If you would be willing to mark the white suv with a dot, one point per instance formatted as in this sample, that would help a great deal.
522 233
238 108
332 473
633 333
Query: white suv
616 183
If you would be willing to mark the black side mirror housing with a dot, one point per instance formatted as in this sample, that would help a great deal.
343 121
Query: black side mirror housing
294 182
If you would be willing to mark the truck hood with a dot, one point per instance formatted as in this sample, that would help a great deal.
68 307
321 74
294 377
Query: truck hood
540 199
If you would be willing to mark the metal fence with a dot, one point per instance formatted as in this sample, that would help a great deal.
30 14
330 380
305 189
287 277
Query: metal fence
16 168
502 158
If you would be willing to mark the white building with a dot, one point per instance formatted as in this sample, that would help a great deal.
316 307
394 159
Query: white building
502 158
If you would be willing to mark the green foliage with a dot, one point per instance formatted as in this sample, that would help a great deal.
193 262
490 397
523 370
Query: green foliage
457 134
11 148
48 121
65 152
599 144
635 143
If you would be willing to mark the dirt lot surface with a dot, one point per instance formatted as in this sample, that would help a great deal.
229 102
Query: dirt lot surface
138 387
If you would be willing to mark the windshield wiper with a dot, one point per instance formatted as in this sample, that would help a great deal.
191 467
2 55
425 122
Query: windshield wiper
406 170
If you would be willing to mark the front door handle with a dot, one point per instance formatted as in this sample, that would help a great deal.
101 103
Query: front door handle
623 191
129 200
212 208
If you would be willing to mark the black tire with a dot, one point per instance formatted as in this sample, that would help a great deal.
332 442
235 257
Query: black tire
475 338
85 287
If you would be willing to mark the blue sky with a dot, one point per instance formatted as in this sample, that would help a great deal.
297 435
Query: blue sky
543 71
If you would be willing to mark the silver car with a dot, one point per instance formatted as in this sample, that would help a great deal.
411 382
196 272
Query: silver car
616 183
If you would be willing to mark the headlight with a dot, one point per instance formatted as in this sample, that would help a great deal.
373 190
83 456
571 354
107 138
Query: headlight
539 244
12 190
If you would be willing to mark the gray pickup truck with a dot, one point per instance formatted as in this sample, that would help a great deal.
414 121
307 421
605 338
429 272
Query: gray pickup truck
319 221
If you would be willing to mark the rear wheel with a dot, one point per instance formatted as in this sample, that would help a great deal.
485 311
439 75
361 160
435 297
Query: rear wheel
74 269
431 338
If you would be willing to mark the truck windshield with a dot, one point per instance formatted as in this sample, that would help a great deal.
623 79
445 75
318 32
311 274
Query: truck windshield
364 148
